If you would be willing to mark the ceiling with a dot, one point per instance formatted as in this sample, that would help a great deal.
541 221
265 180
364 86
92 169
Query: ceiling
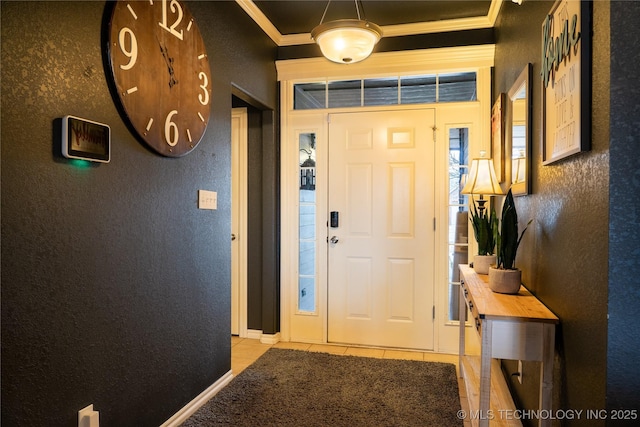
289 22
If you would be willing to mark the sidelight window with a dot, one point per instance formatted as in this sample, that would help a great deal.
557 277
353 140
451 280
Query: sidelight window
458 241
307 223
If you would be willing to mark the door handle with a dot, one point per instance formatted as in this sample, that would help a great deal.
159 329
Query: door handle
334 239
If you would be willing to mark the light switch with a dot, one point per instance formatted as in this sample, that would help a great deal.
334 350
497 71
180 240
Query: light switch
207 199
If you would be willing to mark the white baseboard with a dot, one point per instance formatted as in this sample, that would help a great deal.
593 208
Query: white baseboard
264 338
270 339
254 334
191 407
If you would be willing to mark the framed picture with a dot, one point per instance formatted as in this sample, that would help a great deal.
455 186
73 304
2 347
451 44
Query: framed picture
566 80
497 136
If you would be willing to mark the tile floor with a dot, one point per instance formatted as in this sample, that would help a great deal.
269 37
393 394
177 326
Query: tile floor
245 351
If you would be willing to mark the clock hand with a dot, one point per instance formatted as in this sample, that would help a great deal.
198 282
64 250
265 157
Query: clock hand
169 61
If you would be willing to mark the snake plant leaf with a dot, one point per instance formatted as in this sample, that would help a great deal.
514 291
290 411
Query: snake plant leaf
508 239
484 230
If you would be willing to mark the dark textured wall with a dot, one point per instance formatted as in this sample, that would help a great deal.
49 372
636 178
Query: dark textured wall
564 253
115 287
623 375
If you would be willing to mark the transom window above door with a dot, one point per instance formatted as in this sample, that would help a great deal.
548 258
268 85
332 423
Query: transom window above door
396 90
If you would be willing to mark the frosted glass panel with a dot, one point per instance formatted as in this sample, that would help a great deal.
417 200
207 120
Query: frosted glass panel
307 241
458 221
307 222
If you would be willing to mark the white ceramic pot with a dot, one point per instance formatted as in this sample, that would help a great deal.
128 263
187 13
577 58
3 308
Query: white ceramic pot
481 263
505 281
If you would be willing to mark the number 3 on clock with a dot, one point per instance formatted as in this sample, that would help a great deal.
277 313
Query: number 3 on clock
160 73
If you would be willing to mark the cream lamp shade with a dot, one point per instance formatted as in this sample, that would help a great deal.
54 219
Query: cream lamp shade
482 178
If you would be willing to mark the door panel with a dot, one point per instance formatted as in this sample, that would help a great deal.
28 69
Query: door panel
381 269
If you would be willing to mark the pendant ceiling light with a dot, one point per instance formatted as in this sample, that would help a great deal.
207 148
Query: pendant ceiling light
346 41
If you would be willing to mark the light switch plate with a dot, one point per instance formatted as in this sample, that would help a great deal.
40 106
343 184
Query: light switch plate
207 199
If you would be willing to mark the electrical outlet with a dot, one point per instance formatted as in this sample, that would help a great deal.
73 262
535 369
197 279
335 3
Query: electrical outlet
87 417
520 371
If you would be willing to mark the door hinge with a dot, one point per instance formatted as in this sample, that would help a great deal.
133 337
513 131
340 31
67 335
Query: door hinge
434 312
434 224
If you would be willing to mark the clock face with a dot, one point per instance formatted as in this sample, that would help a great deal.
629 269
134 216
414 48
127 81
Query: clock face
161 73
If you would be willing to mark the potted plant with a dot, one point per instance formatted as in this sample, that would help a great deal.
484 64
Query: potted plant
505 277
485 231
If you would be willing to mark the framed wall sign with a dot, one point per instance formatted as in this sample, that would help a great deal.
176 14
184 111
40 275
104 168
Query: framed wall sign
566 80
497 136
85 139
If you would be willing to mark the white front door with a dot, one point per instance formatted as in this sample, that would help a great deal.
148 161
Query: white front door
381 260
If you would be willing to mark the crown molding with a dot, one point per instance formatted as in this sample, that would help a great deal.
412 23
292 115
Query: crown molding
494 10
446 59
436 26
263 22
478 22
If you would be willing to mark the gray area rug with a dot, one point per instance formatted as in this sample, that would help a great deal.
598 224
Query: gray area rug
299 388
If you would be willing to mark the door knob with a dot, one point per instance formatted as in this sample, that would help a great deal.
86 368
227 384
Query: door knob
334 239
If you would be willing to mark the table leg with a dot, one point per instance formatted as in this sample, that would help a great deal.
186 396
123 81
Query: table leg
485 373
462 311
546 371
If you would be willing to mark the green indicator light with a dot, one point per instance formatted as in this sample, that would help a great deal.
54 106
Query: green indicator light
80 164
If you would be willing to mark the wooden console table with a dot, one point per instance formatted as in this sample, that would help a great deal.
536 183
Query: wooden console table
517 327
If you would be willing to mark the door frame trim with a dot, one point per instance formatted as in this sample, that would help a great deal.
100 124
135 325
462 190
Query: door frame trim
290 72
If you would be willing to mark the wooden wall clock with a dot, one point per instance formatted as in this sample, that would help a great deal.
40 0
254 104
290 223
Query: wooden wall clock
161 73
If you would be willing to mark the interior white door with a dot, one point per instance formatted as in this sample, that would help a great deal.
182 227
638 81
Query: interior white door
381 253
238 221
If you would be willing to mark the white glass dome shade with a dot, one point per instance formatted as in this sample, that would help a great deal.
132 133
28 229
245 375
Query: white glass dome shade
346 41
